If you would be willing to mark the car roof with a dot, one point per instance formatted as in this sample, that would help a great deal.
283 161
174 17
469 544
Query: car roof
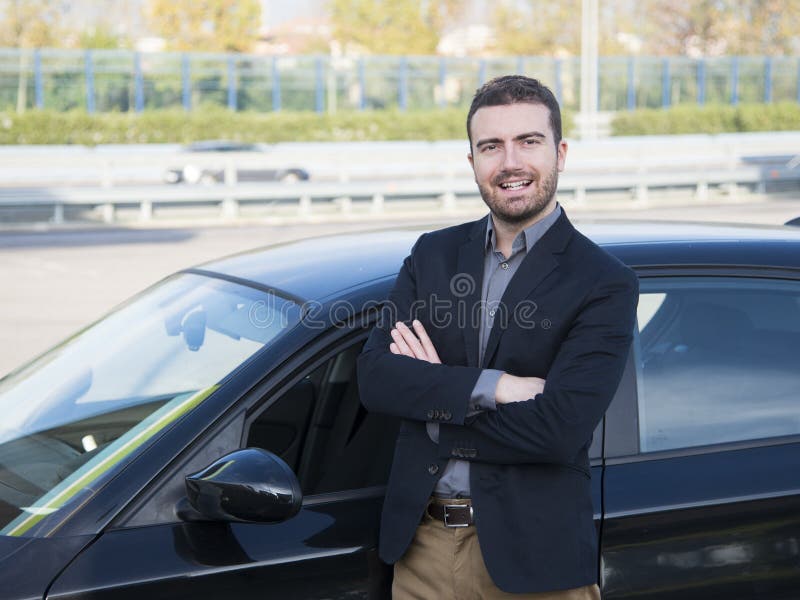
220 146
316 268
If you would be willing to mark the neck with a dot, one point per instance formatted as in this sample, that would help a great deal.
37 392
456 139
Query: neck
506 232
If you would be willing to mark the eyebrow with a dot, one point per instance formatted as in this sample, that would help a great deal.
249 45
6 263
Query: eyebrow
521 136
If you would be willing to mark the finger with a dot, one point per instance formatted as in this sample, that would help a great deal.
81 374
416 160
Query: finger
426 342
393 348
401 343
411 340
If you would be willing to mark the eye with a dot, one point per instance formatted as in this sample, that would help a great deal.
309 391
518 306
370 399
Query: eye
532 141
489 147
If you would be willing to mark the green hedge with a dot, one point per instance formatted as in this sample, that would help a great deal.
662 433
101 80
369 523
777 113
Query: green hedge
176 126
708 119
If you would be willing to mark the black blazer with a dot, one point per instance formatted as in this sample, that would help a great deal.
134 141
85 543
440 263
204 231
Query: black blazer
567 316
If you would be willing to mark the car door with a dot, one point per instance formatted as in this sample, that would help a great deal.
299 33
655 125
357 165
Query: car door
702 476
341 455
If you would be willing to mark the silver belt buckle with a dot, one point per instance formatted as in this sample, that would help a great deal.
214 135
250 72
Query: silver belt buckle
449 506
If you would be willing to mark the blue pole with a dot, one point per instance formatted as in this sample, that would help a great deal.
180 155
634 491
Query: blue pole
38 83
631 84
768 80
701 82
735 80
559 86
665 83
89 83
319 85
521 65
186 82
442 82
232 83
276 85
138 83
362 85
481 72
402 93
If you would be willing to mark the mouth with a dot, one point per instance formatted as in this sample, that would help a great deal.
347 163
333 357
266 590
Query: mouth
516 185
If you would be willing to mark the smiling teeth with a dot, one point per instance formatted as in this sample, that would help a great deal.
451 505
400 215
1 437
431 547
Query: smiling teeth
515 186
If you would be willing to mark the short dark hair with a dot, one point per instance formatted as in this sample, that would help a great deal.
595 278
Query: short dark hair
516 89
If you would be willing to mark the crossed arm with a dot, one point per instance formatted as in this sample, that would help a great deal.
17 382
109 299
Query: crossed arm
417 344
401 374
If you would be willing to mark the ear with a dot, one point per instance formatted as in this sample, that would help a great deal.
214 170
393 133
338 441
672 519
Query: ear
471 160
561 151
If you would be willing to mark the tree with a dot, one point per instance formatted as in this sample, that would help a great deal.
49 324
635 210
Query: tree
393 26
206 25
101 37
28 24
537 27
716 27
676 27
545 28
766 27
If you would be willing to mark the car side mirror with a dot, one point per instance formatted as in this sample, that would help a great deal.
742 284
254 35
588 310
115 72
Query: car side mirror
250 485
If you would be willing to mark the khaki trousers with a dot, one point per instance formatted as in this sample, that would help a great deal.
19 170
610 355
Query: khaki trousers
445 563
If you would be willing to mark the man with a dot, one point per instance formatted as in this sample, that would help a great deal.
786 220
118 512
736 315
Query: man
510 338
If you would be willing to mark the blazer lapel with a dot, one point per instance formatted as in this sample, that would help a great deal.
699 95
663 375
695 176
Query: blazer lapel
538 264
466 286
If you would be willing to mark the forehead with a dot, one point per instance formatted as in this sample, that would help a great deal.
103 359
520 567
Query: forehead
510 120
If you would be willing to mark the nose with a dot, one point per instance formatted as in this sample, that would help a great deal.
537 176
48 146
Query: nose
511 158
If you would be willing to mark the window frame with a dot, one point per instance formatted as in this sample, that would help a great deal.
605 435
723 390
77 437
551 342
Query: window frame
622 421
357 335
234 424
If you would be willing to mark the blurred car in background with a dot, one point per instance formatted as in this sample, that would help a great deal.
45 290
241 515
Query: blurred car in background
208 171
779 172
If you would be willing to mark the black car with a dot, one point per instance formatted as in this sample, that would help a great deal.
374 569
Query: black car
206 440
208 173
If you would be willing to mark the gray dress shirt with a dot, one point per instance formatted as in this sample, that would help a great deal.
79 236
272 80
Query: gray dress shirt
497 273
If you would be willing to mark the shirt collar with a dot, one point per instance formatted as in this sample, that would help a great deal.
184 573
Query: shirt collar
532 234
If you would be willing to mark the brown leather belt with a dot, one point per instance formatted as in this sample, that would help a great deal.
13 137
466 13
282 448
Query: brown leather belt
452 515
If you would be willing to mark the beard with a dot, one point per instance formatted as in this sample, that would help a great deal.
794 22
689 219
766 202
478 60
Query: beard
525 207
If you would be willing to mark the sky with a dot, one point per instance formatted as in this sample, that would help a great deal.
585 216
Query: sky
279 11
276 12
127 14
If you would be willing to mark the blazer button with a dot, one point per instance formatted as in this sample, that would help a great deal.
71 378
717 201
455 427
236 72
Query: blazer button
430 414
433 469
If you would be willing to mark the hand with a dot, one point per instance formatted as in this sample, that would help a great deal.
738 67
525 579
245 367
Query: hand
415 346
511 388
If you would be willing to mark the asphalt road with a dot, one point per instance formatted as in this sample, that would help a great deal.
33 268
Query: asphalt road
52 283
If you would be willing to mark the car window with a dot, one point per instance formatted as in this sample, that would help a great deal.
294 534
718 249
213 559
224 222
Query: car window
717 361
320 428
75 415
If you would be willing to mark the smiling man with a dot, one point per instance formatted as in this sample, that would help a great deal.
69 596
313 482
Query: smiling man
489 494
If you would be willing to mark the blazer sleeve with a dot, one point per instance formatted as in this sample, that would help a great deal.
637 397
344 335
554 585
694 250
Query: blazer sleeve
406 387
555 425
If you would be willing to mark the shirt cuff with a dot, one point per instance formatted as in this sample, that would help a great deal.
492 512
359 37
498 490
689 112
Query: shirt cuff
482 397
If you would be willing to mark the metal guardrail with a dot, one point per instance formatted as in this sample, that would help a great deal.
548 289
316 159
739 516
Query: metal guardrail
379 174
376 193
116 165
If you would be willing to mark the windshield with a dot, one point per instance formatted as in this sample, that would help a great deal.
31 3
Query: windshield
73 416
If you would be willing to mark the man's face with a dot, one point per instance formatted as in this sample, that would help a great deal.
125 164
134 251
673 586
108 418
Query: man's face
515 160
